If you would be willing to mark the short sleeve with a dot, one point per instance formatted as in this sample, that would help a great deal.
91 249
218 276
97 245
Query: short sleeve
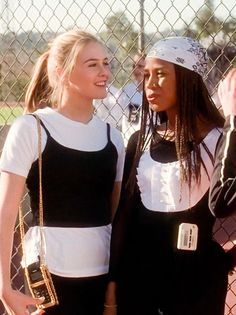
117 139
20 147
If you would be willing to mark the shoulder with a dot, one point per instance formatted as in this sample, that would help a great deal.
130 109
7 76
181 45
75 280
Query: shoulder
133 140
25 122
213 134
211 140
102 126
116 136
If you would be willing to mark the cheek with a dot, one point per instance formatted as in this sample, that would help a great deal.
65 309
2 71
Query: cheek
174 92
170 88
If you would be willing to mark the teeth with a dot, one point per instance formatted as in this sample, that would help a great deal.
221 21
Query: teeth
101 84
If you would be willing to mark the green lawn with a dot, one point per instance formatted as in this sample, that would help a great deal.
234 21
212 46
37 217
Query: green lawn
9 114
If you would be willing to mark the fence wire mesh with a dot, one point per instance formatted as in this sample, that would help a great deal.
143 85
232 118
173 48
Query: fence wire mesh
126 27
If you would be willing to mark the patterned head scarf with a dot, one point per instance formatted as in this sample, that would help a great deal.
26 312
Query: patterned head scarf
183 51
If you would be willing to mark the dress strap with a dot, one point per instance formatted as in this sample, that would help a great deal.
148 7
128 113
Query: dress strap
108 132
42 124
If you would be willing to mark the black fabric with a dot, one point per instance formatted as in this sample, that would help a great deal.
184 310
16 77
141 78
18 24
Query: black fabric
222 200
151 273
77 185
84 296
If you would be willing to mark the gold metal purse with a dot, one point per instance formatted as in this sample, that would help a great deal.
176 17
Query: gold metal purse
37 275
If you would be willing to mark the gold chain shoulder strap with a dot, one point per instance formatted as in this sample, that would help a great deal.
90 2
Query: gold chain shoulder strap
44 285
21 217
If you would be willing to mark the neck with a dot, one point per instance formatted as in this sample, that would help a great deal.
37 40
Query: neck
76 113
171 116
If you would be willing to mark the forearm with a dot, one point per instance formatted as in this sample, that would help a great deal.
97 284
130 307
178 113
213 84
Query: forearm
222 198
111 294
11 189
115 198
6 244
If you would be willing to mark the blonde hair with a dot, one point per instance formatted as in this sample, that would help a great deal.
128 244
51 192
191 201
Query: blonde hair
44 88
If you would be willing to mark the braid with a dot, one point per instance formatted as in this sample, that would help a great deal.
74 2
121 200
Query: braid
194 104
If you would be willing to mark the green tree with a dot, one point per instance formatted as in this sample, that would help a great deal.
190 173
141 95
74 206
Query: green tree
207 24
122 41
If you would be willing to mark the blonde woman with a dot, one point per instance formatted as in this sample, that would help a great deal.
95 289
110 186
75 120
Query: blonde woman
82 165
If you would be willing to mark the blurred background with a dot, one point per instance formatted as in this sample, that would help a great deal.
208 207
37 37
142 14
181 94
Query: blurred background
127 28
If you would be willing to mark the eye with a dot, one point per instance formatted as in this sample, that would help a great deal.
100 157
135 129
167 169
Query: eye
92 65
146 75
160 73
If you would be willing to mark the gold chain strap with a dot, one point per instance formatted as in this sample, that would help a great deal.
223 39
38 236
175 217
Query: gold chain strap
44 287
21 217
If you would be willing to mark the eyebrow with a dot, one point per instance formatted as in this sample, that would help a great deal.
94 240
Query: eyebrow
158 67
95 59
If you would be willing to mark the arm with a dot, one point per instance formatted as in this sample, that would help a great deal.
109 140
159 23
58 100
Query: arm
121 224
11 190
115 197
222 199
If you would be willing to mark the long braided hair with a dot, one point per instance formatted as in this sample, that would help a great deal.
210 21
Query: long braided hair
194 105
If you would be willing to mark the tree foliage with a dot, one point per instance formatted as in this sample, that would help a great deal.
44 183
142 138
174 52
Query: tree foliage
122 41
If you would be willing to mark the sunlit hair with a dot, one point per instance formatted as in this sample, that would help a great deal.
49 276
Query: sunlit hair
194 105
45 87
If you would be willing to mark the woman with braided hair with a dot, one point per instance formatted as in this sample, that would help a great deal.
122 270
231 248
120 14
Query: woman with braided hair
163 256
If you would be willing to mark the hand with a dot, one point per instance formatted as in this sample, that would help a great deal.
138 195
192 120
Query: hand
16 303
227 93
110 310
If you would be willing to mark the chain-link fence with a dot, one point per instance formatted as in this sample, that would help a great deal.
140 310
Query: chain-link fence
127 27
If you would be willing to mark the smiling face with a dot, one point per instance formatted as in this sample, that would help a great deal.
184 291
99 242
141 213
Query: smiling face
160 85
88 78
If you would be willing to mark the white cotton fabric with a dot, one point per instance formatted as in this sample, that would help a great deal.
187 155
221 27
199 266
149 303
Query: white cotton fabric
21 147
70 252
160 186
129 94
183 51
108 108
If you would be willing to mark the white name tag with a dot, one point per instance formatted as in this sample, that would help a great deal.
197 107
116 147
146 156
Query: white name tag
187 236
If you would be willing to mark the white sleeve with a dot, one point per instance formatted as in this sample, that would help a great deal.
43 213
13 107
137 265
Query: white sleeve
117 139
21 146
122 99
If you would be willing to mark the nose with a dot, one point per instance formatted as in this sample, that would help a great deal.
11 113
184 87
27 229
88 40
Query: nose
152 82
105 71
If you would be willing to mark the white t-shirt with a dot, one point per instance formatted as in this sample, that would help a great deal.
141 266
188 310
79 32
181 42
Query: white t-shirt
70 252
22 139
130 99
108 108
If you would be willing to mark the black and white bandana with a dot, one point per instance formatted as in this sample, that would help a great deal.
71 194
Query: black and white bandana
183 51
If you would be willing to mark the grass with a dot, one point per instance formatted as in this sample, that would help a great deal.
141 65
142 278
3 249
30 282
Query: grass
9 114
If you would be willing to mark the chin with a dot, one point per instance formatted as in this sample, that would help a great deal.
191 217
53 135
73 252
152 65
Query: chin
101 96
155 107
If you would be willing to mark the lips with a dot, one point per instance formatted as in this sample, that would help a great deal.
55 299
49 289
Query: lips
152 97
